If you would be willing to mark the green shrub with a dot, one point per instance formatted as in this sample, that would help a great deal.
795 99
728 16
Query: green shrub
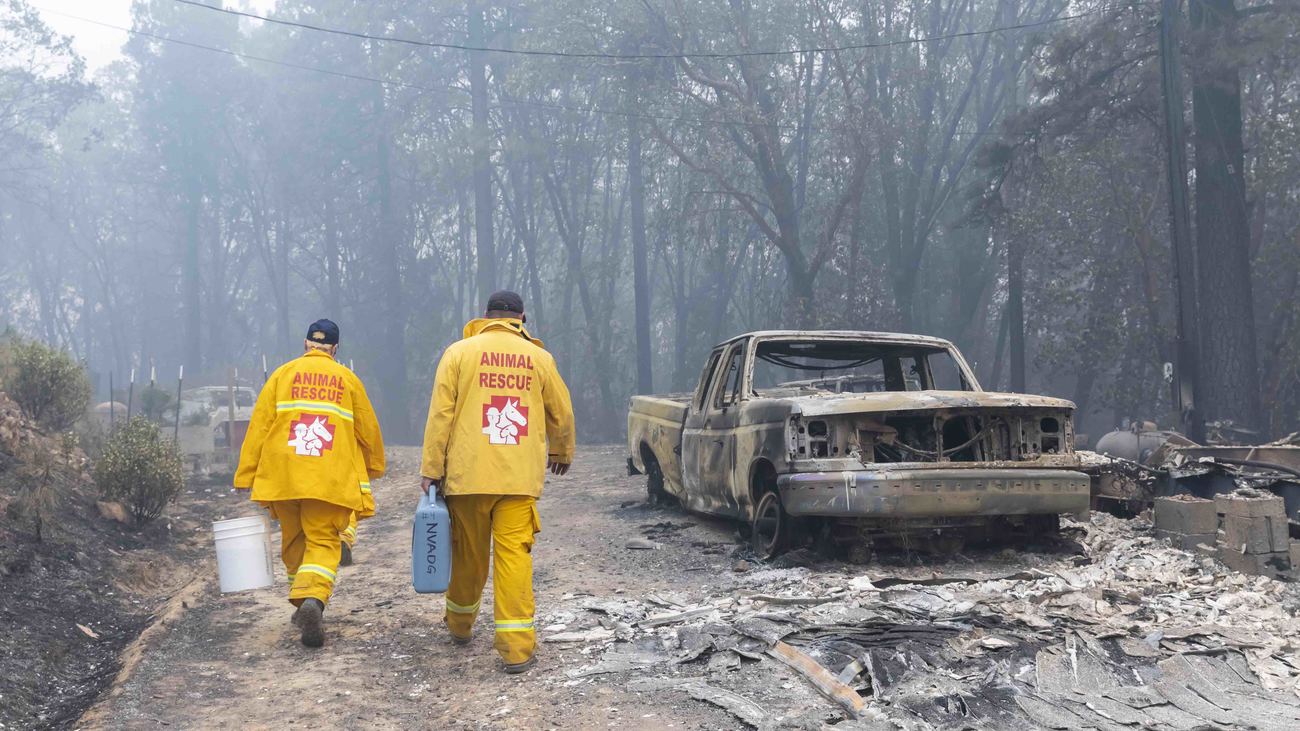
155 404
40 479
140 469
47 384
197 417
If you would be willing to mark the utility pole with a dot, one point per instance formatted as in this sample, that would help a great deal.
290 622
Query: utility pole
1186 380
481 154
1227 356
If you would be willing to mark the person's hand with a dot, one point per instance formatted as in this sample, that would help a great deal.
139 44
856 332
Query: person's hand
426 482
557 468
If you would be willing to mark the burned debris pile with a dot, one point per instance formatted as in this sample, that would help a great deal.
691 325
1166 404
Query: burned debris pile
1238 503
1132 468
1127 631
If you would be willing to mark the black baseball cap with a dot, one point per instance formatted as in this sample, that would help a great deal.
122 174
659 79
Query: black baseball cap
324 332
505 301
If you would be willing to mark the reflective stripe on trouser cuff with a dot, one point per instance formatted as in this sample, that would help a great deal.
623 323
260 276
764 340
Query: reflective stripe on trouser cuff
311 568
514 625
463 608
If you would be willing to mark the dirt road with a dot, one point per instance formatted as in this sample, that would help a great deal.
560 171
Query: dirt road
234 661
1101 622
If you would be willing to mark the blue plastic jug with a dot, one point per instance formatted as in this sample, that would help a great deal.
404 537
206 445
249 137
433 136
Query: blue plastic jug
431 546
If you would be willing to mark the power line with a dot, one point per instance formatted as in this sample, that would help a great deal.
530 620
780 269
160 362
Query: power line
237 54
505 99
396 83
641 56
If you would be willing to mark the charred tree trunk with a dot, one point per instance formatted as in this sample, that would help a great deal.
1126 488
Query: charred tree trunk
392 361
995 373
464 262
1083 394
191 284
334 284
482 158
1016 311
681 343
726 273
520 178
218 277
1284 373
640 270
281 271
1228 368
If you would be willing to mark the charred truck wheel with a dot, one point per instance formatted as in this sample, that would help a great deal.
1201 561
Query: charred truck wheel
655 492
773 527
772 531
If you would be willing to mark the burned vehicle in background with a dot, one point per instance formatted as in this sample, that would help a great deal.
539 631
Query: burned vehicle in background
849 436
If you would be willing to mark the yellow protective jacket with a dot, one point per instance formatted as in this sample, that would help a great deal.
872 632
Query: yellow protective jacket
367 503
367 495
313 435
499 409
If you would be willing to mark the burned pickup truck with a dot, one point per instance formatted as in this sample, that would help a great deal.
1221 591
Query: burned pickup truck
841 436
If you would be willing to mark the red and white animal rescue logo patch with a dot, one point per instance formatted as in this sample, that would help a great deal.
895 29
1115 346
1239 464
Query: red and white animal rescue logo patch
504 420
310 435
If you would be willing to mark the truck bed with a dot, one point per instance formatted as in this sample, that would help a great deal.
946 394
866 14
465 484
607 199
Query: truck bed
654 431
671 407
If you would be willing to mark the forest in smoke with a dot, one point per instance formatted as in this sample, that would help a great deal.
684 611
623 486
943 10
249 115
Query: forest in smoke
751 164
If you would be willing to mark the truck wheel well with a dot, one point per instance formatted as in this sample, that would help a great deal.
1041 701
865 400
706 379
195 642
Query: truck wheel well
762 478
648 457
655 491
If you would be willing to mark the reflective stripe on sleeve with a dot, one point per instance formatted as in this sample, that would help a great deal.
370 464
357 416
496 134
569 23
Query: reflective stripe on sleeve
514 625
365 488
463 608
312 568
324 407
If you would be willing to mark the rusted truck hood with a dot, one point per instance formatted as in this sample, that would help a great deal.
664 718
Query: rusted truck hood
860 403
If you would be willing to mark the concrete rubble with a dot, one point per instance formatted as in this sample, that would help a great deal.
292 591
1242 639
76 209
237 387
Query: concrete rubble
1246 529
1126 631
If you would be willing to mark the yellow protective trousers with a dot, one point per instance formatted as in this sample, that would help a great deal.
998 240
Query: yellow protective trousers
349 534
504 525
309 535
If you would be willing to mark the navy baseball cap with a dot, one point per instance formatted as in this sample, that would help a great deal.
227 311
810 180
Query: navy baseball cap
324 332
505 301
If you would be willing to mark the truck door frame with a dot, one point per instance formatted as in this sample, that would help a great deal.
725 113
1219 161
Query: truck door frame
709 433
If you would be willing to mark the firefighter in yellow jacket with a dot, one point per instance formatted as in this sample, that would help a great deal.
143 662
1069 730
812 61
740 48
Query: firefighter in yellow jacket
312 436
500 416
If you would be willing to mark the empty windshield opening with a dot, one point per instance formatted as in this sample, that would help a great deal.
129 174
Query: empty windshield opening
853 367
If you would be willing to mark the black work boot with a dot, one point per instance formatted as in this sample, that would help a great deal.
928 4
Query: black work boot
520 667
345 555
310 617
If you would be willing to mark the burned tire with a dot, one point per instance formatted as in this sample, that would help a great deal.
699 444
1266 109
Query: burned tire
655 492
772 529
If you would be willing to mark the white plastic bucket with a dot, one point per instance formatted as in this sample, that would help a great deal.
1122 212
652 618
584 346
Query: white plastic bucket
243 553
